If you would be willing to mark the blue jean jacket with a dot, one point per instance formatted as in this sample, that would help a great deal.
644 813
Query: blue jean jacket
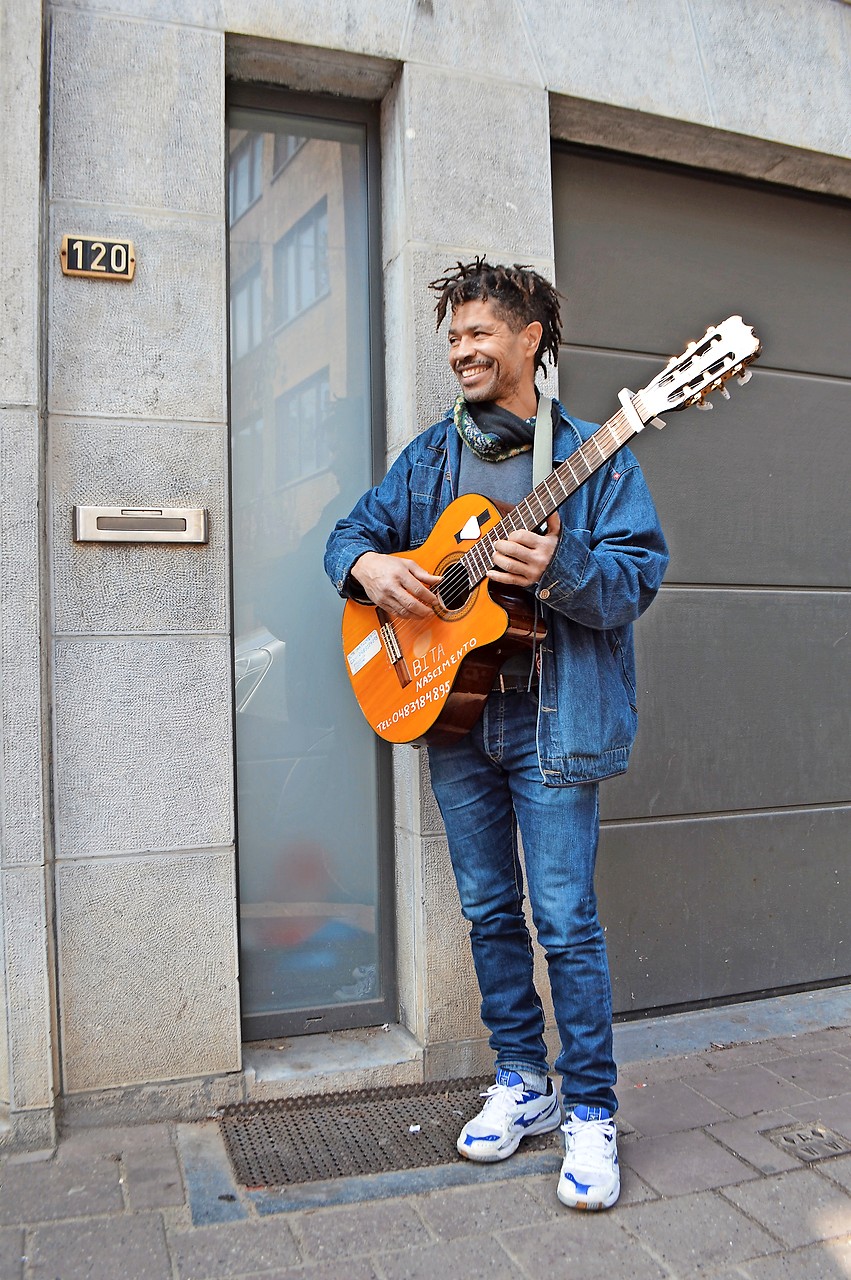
608 565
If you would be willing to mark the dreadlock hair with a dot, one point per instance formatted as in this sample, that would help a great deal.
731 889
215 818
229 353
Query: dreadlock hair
521 294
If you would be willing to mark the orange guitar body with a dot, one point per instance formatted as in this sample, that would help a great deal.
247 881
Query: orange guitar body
427 679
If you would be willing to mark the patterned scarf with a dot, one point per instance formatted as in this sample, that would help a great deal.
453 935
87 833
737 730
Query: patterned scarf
510 435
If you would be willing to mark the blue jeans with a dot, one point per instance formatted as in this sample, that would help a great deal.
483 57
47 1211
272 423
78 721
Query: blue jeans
487 785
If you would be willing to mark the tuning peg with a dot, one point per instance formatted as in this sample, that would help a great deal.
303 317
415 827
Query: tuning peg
725 393
744 376
704 404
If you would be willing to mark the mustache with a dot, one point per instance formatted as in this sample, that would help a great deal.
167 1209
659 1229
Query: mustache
472 361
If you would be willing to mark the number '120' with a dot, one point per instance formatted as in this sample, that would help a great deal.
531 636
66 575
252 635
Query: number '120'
104 259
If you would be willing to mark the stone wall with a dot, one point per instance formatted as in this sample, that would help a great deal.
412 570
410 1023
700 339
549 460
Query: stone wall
26 1020
145 894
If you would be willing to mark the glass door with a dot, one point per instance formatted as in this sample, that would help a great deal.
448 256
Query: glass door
314 904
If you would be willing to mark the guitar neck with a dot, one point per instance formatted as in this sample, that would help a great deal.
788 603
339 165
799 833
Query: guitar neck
551 492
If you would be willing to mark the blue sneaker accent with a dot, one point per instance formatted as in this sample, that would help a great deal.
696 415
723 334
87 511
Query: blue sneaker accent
582 1187
511 1078
523 1122
591 1113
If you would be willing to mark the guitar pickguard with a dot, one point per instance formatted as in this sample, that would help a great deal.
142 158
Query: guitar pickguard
473 528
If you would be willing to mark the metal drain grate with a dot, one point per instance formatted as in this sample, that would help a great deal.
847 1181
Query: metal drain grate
290 1141
809 1142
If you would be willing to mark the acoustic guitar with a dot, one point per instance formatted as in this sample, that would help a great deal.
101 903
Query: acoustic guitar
426 679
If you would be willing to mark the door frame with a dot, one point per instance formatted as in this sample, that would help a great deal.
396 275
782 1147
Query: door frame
374 1012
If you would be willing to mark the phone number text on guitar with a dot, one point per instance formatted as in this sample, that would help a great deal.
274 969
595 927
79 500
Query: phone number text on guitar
401 713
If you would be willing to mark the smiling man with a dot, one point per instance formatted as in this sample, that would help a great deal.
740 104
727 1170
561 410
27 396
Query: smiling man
560 717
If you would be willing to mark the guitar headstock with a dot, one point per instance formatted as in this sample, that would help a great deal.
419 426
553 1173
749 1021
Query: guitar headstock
723 352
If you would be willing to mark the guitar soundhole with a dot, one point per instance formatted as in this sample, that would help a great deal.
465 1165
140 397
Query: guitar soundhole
454 590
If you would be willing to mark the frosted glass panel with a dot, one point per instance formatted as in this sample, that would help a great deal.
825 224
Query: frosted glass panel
301 441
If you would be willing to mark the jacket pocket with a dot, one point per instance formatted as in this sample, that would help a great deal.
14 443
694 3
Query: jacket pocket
619 657
425 482
425 488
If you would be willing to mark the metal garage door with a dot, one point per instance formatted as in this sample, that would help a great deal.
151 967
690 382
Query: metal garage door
724 866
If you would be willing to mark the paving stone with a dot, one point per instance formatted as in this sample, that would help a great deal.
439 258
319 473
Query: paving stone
838 1038
639 1075
668 1108
798 1207
747 1090
132 1248
466 1211
233 1249
590 1246
677 1163
356 1269
835 1113
740 1055
78 1144
685 1067
838 1170
735 1054
832 1038
729 1273
830 1261
824 1075
475 1259
696 1233
152 1179
633 1190
41 1155
44 1192
346 1232
11 1253
745 1138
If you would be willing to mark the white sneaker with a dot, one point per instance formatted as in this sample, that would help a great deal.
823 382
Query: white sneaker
590 1178
512 1112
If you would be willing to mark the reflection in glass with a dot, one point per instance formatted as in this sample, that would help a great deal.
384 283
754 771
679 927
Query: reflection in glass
300 396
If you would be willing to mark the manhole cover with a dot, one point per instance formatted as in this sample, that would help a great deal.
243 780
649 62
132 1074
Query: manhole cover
289 1141
809 1142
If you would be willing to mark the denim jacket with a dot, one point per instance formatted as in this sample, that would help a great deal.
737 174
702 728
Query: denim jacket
608 565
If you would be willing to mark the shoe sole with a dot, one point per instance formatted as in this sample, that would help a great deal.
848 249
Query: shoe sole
550 1123
589 1206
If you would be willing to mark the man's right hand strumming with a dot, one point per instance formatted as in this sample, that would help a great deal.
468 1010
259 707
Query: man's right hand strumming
394 583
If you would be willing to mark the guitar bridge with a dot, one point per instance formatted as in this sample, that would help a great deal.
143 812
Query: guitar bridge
393 649
391 644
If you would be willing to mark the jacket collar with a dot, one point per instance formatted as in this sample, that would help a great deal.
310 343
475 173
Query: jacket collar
566 439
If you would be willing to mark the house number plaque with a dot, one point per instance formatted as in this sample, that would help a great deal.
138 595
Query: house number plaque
97 259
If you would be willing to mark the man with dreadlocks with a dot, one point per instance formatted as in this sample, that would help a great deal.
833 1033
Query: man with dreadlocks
554 724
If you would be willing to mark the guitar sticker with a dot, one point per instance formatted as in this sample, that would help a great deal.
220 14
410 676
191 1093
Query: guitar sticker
364 652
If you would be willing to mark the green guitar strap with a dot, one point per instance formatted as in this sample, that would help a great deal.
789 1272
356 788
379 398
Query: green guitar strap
542 465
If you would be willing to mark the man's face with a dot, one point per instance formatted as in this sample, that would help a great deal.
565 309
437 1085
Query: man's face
490 360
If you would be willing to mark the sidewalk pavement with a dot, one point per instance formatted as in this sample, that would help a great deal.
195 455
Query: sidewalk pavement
705 1193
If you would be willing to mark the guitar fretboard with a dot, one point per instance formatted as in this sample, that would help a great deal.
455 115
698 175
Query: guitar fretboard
551 492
